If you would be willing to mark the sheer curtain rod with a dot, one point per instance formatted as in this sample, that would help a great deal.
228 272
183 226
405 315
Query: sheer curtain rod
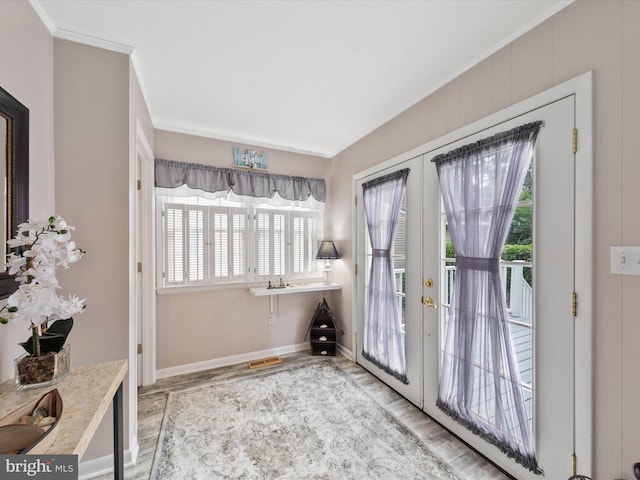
491 141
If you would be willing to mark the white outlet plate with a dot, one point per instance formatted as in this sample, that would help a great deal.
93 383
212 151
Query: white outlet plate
272 318
625 260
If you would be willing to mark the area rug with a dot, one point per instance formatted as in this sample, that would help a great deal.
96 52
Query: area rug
302 423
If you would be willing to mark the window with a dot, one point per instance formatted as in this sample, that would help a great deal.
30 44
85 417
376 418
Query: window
215 241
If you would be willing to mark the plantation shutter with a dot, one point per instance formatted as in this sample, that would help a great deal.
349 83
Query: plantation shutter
304 243
220 244
196 254
238 218
298 240
279 244
312 244
263 243
174 241
228 244
271 245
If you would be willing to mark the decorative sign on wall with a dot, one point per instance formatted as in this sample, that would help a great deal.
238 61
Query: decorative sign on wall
249 159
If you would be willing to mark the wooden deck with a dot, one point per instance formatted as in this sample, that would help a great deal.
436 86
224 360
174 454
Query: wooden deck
523 343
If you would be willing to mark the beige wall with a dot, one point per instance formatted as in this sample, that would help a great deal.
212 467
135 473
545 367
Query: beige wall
602 36
26 72
91 88
202 326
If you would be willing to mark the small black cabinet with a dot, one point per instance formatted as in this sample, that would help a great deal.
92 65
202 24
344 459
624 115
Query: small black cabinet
323 330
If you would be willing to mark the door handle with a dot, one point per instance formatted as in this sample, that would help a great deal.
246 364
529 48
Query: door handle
428 302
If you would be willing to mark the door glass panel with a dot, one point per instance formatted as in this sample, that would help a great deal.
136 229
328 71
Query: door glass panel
399 260
516 271
517 279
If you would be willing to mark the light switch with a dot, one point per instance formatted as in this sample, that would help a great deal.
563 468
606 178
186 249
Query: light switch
625 260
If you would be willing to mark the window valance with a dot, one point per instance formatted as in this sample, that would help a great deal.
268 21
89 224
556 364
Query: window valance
172 174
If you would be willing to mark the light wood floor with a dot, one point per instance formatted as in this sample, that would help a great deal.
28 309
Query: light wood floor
152 401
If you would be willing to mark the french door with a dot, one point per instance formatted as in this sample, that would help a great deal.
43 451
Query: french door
542 328
543 325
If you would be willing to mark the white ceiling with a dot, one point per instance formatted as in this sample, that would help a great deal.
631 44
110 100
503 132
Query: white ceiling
306 76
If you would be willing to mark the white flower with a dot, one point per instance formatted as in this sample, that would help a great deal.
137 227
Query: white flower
47 245
68 307
15 263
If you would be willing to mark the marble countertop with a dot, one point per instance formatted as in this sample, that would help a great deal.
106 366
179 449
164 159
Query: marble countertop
86 394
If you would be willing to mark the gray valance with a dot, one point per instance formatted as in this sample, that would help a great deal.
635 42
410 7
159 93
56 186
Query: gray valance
171 174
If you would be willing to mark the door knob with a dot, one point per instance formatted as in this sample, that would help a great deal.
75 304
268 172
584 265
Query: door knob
428 302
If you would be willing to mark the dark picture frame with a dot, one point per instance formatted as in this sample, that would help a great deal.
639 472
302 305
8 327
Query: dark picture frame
16 164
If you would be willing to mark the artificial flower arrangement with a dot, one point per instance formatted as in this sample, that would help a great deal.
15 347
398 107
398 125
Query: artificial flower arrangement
42 247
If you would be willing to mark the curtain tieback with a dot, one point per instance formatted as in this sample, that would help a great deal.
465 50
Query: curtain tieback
381 252
478 263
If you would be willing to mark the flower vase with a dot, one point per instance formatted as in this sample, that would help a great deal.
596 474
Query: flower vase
42 371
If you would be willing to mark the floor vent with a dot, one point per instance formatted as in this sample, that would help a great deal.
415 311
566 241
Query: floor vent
264 362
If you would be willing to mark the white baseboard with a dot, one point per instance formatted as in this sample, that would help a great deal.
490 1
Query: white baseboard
104 465
232 360
345 352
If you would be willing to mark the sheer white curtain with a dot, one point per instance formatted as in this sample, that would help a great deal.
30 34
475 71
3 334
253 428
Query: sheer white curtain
479 378
383 342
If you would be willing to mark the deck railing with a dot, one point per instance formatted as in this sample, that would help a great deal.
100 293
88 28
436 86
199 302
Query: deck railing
517 290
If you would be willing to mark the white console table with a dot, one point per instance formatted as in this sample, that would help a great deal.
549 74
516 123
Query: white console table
86 394
303 287
299 288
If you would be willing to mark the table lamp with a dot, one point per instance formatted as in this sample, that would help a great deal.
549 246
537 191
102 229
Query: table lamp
326 252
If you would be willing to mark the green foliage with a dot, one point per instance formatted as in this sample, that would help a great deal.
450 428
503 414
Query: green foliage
53 339
521 226
519 252
516 252
510 252
450 253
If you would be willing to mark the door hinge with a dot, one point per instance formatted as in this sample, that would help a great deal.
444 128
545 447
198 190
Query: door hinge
139 348
139 267
356 268
139 185
574 465
574 140
574 304
355 200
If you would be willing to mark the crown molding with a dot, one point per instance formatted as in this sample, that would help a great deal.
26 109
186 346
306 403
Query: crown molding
44 18
72 36
77 37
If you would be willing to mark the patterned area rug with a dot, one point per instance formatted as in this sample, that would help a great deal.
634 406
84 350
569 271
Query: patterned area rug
307 422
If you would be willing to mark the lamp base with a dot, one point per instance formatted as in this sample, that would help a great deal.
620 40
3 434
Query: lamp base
328 273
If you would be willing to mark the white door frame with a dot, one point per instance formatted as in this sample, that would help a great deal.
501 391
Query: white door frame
146 236
581 87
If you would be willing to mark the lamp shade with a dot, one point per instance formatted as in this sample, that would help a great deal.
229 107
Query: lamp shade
327 251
